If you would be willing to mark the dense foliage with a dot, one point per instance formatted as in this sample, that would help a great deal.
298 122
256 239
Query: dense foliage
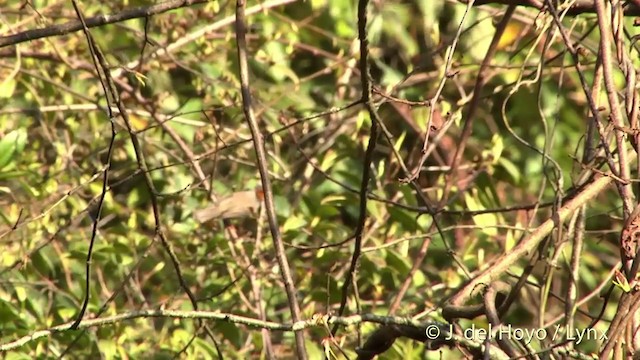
181 88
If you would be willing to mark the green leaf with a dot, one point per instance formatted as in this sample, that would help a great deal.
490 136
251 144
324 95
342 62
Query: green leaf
12 355
397 262
510 169
487 222
496 147
363 117
328 160
408 221
398 143
7 88
204 348
141 78
293 222
620 281
13 143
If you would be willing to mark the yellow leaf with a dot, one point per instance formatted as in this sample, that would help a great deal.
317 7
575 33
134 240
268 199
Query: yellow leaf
487 222
141 78
511 33
7 87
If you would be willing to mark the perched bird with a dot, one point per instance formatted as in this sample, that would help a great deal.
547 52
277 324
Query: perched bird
236 205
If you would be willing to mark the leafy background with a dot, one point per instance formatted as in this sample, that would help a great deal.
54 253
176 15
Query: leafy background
186 109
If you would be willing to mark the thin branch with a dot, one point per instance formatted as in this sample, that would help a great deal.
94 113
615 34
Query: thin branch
481 79
110 89
614 105
587 92
575 7
103 193
365 81
490 305
99 20
438 334
434 100
190 37
409 279
258 142
529 243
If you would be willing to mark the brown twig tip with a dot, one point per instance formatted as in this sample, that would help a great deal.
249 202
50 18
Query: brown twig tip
630 234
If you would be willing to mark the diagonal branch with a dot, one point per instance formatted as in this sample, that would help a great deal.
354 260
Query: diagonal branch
111 90
99 20
527 245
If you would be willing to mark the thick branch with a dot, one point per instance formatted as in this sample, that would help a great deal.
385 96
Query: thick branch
94 21
438 331
577 7
528 244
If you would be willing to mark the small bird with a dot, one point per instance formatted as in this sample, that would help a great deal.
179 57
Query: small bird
236 205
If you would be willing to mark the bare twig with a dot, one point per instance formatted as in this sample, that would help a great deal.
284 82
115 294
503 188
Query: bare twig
258 141
481 80
433 101
365 81
111 91
614 105
318 321
96 220
575 7
95 21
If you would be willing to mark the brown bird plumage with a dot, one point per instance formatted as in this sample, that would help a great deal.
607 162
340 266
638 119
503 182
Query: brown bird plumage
238 204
